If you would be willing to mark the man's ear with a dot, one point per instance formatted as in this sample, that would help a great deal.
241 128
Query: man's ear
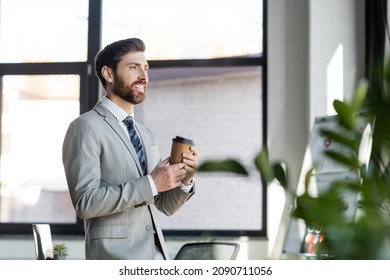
107 73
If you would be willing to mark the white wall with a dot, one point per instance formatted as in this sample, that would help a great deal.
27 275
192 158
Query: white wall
315 54
287 101
336 40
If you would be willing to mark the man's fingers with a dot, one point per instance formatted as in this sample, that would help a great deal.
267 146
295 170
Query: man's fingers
189 169
177 166
164 162
180 172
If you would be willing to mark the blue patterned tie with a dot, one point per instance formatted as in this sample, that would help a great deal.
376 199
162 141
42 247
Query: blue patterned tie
129 122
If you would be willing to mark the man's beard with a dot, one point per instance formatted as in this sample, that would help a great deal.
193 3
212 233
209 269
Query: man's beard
126 92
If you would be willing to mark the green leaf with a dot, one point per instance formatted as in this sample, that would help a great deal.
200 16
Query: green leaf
349 161
60 249
262 164
228 165
344 184
345 114
308 176
359 95
280 172
341 138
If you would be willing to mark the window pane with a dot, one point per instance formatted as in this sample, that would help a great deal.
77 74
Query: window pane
220 109
175 29
36 111
43 30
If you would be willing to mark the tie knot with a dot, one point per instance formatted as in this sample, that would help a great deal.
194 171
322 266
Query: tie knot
129 121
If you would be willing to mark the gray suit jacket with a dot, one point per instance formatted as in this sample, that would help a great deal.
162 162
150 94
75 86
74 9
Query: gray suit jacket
108 190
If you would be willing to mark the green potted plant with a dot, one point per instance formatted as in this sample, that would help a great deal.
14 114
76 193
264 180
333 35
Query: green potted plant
60 251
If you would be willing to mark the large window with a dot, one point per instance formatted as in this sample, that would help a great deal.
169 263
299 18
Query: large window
36 110
206 82
176 29
43 72
43 30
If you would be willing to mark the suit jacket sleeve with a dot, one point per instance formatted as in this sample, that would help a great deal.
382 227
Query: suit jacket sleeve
100 179
169 202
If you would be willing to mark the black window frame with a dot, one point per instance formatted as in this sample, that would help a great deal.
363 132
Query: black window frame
89 95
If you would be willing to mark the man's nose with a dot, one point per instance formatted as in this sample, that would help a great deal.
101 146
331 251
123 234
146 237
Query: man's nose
143 75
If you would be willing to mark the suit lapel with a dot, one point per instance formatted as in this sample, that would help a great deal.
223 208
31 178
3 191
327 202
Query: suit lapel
114 124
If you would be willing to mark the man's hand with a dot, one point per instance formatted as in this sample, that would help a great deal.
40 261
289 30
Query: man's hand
167 177
191 164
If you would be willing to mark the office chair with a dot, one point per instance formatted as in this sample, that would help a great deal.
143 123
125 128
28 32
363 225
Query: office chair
43 242
208 251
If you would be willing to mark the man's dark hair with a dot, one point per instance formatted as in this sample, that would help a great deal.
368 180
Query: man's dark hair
112 54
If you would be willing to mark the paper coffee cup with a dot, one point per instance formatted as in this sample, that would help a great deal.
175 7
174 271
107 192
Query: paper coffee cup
180 145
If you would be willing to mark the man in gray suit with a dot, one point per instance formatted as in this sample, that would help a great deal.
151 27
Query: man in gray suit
115 188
